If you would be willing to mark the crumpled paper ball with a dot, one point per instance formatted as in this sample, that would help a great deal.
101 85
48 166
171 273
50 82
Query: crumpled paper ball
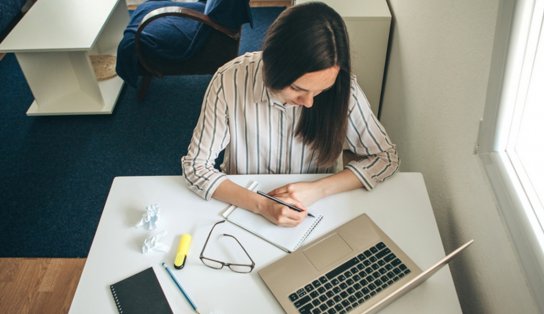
152 243
150 218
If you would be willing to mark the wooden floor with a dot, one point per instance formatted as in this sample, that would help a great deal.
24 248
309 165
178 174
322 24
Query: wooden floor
38 285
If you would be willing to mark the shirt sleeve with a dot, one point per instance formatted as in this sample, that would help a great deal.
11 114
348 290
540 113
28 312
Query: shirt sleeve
367 138
210 137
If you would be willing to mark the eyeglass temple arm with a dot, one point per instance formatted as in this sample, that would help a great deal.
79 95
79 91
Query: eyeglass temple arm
230 235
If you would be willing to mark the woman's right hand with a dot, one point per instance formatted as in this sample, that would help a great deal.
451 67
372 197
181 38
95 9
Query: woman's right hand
282 215
231 193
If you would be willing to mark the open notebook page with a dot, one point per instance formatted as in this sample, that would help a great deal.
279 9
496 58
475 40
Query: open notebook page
286 238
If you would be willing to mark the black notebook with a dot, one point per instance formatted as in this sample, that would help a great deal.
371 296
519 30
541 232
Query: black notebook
140 293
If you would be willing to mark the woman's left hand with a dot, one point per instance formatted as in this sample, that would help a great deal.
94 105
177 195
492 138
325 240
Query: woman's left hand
306 193
309 192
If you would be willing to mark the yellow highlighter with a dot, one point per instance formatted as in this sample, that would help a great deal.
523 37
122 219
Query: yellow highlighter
183 250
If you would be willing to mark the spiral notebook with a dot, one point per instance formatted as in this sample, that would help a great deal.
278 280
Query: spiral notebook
286 238
140 293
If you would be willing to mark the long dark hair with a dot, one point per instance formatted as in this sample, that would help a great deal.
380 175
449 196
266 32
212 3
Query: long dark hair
307 38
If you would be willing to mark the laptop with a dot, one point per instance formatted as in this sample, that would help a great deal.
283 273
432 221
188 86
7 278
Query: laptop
356 268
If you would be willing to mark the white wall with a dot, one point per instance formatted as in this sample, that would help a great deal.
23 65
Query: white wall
434 97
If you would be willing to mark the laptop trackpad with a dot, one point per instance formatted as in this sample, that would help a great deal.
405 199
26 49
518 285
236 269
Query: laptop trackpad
327 251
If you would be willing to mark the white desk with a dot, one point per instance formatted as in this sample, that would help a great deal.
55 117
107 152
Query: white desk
52 43
399 206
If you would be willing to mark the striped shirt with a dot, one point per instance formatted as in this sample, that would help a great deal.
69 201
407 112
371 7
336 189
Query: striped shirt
243 117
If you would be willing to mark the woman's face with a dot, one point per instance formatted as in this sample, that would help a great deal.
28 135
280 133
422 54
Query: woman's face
306 87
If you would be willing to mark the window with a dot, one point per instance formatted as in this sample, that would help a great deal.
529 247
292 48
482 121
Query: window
510 140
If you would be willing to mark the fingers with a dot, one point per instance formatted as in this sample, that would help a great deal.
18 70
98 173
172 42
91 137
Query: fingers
283 215
288 217
287 222
287 196
300 205
282 190
297 193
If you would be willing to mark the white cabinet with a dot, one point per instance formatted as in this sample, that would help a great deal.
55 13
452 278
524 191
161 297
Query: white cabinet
368 23
53 43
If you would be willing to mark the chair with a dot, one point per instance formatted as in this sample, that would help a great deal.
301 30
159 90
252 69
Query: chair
180 38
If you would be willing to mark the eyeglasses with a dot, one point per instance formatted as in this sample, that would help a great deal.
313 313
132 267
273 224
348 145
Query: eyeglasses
215 264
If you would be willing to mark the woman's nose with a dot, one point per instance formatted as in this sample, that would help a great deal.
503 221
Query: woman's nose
307 100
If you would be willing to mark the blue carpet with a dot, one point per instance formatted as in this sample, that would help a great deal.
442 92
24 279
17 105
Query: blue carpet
56 171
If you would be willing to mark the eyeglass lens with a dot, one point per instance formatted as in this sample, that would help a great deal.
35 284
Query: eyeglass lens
239 268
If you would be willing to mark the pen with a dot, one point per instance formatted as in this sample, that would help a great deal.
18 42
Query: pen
277 200
180 288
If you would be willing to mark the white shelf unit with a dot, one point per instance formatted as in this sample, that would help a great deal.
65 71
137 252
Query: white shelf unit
368 23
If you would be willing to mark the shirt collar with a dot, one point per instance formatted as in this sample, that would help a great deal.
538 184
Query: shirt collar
274 100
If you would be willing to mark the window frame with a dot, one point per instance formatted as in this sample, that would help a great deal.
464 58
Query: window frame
508 59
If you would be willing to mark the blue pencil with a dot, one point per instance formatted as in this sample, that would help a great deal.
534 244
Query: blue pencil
179 287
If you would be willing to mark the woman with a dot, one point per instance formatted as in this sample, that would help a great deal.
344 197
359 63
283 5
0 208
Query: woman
291 108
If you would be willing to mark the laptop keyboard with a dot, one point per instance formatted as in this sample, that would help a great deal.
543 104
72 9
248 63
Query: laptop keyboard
351 283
